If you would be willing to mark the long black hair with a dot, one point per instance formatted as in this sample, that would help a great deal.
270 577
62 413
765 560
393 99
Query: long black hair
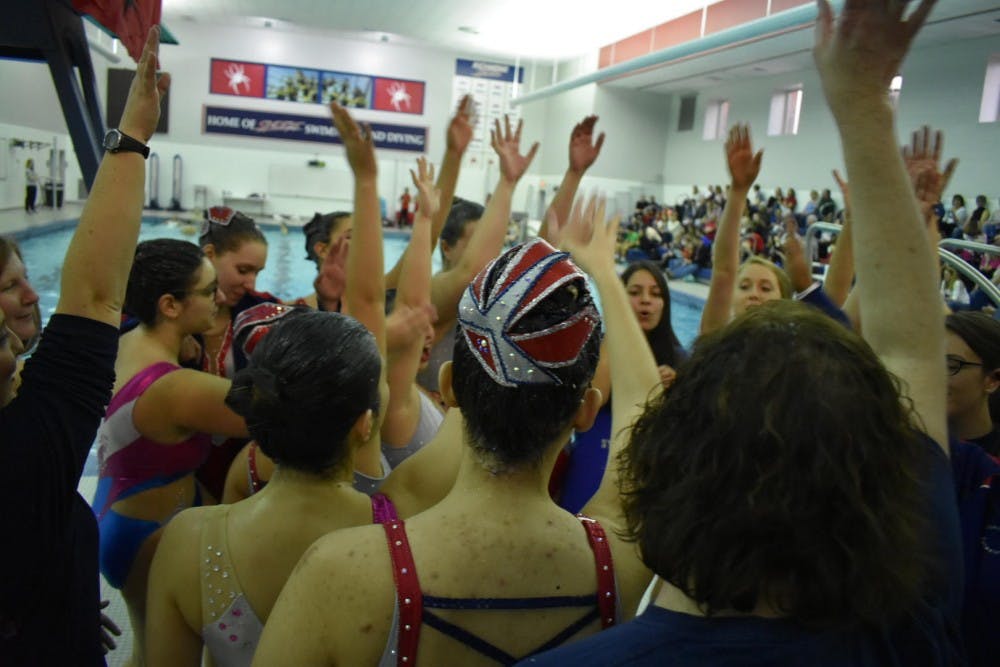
662 339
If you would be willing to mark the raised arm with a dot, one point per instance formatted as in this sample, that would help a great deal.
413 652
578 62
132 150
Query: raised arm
365 289
487 239
412 302
591 241
840 273
583 152
100 255
459 135
856 57
744 166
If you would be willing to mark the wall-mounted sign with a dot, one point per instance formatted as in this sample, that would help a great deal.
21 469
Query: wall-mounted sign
266 125
492 87
313 86
481 69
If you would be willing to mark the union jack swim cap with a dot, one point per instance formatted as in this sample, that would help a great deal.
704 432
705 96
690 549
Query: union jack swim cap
488 314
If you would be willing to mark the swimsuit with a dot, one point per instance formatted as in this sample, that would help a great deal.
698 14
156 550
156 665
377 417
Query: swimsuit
412 606
233 629
129 463
427 428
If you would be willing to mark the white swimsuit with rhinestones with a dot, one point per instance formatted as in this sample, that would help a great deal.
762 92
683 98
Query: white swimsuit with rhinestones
232 628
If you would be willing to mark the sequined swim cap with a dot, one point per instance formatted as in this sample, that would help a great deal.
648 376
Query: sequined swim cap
493 305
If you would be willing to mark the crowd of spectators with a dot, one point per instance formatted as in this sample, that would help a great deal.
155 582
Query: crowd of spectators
679 237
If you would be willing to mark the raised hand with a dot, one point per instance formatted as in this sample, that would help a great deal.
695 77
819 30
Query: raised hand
332 278
858 55
507 144
462 126
408 323
357 142
589 238
796 263
553 228
923 164
844 188
428 194
583 150
142 108
744 164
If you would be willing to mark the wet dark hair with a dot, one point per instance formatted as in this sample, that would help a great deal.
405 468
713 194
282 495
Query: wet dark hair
781 469
982 334
461 214
161 266
318 230
227 238
511 427
662 339
309 380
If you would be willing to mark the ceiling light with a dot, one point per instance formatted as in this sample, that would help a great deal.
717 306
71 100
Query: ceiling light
468 29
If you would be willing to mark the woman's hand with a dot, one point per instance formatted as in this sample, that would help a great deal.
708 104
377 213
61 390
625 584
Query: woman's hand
332 278
142 108
507 144
357 142
583 150
589 238
462 125
428 194
744 164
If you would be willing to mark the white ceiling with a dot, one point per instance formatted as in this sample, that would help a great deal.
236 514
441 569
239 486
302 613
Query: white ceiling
525 29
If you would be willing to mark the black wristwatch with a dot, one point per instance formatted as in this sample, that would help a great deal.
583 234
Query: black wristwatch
116 141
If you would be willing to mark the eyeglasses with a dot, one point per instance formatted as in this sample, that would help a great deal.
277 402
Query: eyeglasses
204 291
956 364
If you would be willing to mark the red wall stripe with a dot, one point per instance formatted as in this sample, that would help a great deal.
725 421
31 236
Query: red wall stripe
731 13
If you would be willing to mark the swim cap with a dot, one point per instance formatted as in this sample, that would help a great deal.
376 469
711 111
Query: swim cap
253 324
487 316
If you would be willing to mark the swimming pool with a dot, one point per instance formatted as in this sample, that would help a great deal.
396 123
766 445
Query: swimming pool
288 274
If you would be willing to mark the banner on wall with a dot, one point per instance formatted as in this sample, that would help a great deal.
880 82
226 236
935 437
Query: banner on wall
266 125
481 69
313 86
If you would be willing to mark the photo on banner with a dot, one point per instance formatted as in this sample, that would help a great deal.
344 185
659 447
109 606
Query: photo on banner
292 84
349 90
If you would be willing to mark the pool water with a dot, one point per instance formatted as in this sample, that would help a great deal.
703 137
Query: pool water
288 274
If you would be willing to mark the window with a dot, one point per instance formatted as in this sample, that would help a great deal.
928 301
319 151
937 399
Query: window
785 108
894 88
989 110
685 121
716 120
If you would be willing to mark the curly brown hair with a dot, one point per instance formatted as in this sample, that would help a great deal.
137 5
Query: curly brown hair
782 471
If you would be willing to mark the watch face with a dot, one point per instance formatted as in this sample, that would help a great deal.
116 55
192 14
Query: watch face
112 140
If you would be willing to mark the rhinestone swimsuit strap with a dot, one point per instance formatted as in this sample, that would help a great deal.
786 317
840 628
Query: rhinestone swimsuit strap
411 602
607 597
408 595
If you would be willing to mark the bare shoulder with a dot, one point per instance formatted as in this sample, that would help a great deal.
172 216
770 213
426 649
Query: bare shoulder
341 589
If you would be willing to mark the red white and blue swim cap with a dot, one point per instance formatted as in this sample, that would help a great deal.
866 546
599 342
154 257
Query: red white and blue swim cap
493 305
